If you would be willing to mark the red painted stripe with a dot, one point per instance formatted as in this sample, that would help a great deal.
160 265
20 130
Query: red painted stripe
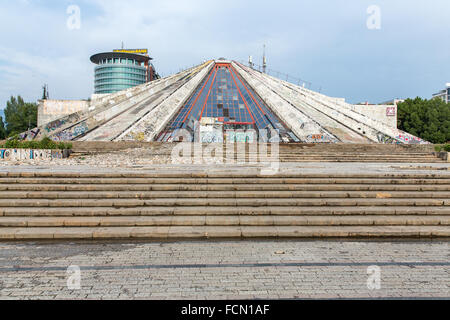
198 96
209 92
249 92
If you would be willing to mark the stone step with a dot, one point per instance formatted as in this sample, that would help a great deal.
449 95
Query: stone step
167 221
214 232
318 156
171 202
221 187
222 211
227 181
229 204
233 173
364 160
282 150
314 156
374 147
87 195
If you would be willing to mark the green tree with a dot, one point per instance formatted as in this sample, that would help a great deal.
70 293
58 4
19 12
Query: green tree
2 129
20 116
427 119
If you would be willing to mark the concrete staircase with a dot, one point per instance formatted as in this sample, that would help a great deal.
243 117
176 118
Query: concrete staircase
228 205
289 152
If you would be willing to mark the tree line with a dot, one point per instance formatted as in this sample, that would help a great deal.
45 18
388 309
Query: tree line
427 119
20 116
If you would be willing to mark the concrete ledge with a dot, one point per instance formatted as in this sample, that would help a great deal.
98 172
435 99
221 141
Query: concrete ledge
222 177
202 232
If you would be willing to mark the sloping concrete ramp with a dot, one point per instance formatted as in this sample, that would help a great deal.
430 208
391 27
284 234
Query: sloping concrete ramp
144 113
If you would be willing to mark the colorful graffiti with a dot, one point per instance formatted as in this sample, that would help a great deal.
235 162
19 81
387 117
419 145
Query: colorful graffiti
71 133
29 135
54 125
30 154
248 136
317 138
400 139
80 129
62 136
382 138
391 111
408 139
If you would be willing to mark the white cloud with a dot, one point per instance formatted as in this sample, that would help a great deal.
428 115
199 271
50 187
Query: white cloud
304 38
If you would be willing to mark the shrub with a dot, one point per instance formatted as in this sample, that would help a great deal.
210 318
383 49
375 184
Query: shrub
63 146
447 147
438 148
12 144
45 143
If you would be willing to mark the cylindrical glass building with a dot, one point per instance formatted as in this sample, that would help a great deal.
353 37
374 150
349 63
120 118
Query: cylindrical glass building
116 71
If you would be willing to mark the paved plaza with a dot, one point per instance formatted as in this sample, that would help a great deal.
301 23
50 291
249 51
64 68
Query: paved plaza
226 270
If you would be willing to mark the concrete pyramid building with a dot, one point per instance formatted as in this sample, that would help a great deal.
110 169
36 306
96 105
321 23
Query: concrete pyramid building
225 101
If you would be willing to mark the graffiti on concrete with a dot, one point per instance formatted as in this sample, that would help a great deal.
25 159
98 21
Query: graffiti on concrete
63 136
54 125
408 139
30 154
71 133
317 138
80 129
29 135
248 136
399 139
382 138
391 111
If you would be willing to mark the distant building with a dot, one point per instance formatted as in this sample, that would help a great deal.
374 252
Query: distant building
122 69
393 102
444 94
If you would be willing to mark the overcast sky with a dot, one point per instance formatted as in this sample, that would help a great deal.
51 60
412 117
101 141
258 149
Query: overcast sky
326 42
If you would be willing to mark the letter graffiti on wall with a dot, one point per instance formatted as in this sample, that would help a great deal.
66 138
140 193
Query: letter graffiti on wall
399 139
409 139
29 154
80 129
52 126
71 133
382 138
248 136
29 135
391 111
317 138
63 136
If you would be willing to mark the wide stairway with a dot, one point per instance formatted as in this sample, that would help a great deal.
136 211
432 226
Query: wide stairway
374 153
228 205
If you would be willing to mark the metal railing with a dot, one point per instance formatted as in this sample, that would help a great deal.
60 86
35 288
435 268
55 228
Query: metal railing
284 76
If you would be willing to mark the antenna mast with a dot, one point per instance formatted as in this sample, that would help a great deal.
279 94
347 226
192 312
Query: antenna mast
264 59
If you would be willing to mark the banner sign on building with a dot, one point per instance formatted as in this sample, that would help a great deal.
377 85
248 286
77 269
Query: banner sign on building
137 51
